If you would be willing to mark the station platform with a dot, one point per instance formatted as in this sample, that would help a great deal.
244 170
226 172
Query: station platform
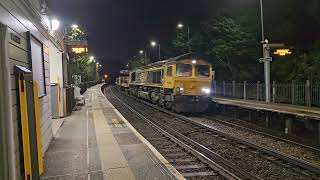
97 142
301 111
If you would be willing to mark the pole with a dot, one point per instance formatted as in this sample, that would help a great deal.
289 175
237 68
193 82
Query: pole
262 19
189 45
159 51
266 54
145 57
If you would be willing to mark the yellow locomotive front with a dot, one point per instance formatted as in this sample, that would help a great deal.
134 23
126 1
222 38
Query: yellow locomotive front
190 80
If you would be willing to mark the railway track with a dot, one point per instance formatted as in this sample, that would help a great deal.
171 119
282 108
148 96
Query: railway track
191 162
242 128
258 161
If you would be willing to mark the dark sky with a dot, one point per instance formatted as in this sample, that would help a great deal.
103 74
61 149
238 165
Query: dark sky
118 29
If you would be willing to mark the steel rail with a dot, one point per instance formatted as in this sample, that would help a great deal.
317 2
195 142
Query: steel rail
262 133
287 158
214 160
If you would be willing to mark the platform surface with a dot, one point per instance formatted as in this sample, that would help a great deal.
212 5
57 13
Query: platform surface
96 142
302 111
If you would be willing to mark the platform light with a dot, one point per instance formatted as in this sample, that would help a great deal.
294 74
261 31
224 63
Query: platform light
153 43
180 25
55 24
194 61
74 26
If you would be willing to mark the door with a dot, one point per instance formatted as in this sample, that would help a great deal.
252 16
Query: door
3 132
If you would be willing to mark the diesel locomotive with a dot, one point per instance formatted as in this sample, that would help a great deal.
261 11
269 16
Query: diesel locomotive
181 83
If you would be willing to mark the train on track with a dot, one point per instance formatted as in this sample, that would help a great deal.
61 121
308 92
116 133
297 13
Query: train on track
181 83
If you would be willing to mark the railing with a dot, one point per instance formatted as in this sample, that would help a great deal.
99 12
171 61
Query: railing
306 94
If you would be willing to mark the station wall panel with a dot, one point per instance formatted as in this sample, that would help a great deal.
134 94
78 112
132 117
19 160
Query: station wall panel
17 17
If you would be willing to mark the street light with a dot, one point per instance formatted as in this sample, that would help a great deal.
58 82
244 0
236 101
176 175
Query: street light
141 51
154 44
145 56
180 26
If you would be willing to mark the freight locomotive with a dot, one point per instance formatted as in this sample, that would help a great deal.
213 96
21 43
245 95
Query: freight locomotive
181 83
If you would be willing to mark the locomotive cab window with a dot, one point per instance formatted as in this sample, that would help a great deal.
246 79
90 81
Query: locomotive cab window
184 70
169 71
202 70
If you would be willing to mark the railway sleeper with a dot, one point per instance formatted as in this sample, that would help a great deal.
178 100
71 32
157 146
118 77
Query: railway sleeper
183 160
199 174
193 166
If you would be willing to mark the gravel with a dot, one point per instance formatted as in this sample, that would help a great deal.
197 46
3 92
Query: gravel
253 162
299 152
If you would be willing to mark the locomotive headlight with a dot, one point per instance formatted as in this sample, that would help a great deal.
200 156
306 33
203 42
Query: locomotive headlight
179 90
206 90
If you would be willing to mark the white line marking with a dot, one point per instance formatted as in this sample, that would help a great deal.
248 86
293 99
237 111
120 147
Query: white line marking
88 161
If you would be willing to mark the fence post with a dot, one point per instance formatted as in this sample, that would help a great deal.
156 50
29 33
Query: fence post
274 91
224 88
245 90
308 96
233 89
293 91
258 90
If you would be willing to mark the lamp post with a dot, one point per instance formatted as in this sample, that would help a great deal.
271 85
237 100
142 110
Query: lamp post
180 26
266 57
145 56
154 44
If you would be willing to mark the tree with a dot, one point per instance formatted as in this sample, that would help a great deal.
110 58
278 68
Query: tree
84 67
77 34
232 48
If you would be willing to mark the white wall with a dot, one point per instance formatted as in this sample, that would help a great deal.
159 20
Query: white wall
18 18
56 71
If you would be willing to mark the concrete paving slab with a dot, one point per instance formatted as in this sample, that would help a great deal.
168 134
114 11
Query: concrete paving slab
96 143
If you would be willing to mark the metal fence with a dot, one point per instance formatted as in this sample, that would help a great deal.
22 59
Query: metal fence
306 94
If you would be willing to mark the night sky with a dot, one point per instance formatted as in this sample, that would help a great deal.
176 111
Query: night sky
118 29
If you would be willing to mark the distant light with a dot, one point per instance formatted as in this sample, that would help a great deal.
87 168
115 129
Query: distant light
141 52
91 58
180 25
282 52
127 65
153 43
55 24
194 61
100 65
97 63
94 61
74 26
105 76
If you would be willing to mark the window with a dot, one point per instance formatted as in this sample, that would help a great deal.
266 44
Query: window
169 71
202 70
184 70
38 65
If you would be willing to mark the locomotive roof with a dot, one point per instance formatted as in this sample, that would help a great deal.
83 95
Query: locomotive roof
124 72
175 59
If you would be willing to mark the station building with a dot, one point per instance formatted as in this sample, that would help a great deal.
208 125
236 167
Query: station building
27 45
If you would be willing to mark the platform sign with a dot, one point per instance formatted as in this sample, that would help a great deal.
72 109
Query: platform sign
282 52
